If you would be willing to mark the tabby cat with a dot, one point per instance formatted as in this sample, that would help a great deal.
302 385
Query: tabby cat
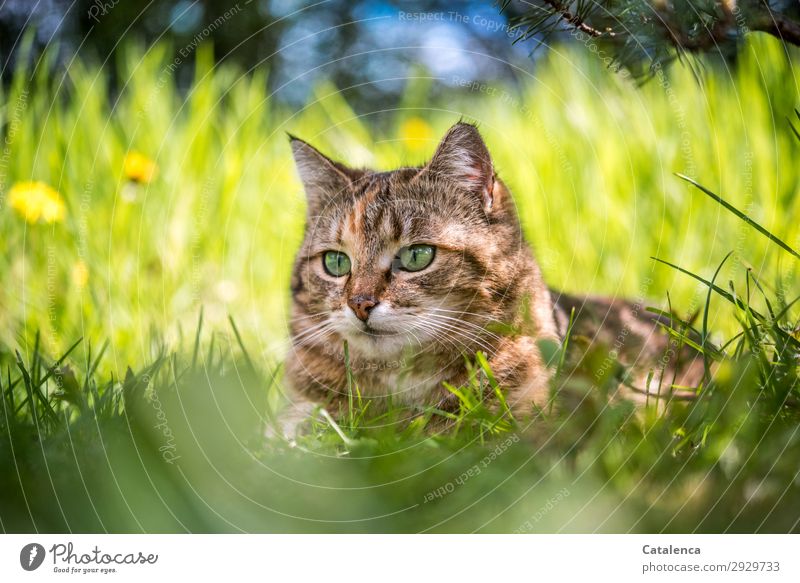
405 275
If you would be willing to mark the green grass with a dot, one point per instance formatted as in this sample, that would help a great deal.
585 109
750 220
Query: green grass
173 344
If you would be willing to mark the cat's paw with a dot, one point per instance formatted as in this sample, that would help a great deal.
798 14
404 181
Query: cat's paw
292 421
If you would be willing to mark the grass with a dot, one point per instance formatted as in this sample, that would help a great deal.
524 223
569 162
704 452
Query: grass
166 301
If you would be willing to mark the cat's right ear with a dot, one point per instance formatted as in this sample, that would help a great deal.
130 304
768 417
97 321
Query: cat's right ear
323 179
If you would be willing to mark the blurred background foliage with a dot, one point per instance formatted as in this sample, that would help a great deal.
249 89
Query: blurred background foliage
369 46
141 185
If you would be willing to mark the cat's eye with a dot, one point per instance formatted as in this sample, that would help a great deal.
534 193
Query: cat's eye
336 263
416 257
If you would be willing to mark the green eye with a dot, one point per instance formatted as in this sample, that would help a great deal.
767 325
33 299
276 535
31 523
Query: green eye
336 263
416 257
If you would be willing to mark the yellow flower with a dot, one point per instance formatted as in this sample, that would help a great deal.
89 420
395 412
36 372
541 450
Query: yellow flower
36 200
139 168
416 132
80 274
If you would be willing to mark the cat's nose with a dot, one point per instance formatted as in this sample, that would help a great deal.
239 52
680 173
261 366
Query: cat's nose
361 305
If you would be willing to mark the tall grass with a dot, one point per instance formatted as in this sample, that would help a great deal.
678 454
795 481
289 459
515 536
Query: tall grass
157 421
590 159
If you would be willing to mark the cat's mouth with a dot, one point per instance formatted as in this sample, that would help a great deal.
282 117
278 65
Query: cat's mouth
372 343
381 334
368 330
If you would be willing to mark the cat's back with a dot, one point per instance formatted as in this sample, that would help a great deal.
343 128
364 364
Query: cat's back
624 339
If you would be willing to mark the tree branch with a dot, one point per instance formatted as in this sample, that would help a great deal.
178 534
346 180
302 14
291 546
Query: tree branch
779 26
713 36
576 21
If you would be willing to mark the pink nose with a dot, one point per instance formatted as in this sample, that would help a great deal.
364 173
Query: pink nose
361 305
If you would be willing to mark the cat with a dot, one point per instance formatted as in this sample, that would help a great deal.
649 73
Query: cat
403 276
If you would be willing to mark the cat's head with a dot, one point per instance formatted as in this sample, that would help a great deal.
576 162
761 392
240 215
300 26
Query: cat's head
413 258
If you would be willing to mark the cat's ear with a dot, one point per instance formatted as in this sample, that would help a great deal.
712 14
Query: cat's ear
462 158
323 179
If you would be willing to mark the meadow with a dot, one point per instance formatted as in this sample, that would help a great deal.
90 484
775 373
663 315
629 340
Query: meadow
147 240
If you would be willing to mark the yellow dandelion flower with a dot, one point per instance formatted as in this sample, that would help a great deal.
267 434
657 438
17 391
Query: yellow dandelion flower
36 200
139 168
80 274
416 132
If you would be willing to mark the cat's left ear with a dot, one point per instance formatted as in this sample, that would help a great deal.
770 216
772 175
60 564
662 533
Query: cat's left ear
463 158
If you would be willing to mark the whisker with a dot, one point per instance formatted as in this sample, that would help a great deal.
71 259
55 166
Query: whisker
313 334
309 317
409 330
489 319
465 334
436 335
313 339
465 313
311 329
467 323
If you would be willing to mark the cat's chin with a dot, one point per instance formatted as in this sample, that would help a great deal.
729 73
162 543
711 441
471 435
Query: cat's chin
371 344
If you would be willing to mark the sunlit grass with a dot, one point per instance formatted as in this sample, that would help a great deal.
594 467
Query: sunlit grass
171 252
173 202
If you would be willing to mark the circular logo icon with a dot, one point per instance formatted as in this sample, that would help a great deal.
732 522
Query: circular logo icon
31 556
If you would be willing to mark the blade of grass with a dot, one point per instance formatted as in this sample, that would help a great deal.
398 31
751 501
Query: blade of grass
741 215
704 337
34 391
93 365
349 373
241 344
35 366
672 318
735 301
347 441
565 343
197 340
751 275
791 125
50 372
